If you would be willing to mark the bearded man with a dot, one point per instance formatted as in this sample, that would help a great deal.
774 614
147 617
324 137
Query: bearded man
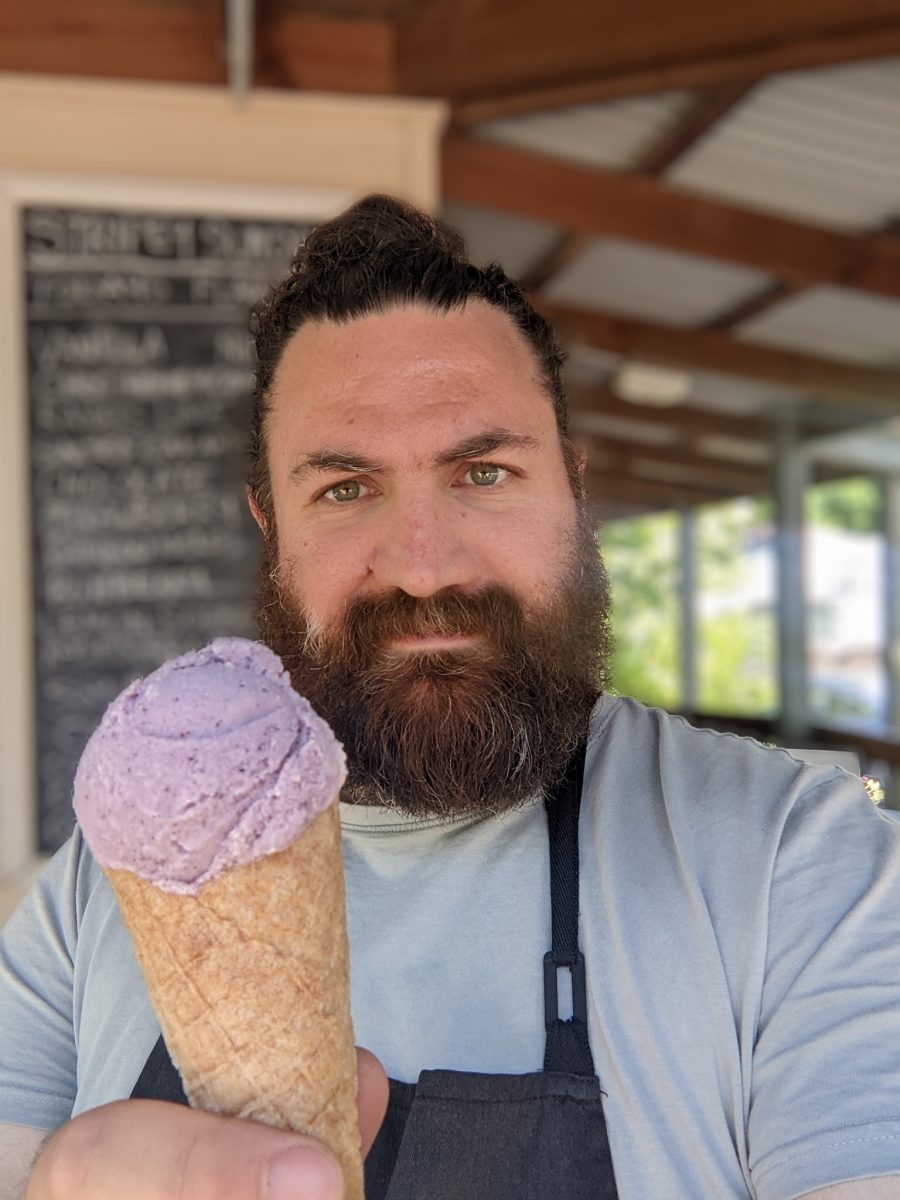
599 953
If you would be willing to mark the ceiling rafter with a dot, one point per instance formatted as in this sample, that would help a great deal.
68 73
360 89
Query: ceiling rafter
705 470
683 420
707 109
487 59
767 297
833 383
595 201
626 473
741 65
618 486
566 248
703 114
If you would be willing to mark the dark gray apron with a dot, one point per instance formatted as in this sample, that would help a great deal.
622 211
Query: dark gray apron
457 1135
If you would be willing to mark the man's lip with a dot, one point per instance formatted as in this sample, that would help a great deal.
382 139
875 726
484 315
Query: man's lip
432 641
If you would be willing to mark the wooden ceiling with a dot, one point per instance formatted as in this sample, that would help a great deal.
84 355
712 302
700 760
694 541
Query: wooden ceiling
492 59
488 57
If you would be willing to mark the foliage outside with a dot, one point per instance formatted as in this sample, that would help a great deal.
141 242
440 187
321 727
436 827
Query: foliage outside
736 597
641 556
736 628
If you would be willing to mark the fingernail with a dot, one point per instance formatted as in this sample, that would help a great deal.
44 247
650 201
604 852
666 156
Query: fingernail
304 1173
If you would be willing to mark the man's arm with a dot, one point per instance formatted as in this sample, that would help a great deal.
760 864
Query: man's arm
887 1187
20 1146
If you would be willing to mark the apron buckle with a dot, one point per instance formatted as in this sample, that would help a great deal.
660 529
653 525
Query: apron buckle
552 965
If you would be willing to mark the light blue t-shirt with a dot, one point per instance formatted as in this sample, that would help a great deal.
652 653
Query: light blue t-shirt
740 921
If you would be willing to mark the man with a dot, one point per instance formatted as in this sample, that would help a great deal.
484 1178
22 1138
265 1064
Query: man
712 1011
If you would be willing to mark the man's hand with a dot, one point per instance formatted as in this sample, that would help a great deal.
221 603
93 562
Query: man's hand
149 1150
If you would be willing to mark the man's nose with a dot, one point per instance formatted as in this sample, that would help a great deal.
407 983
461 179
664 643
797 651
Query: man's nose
424 546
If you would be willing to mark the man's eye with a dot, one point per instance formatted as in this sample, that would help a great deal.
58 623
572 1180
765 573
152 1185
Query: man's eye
341 493
486 474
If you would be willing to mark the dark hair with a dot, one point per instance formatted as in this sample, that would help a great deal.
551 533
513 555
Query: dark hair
378 254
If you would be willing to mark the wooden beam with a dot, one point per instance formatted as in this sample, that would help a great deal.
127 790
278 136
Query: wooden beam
564 250
707 110
608 485
485 48
615 482
743 64
700 466
159 40
598 202
492 59
327 53
687 421
108 39
705 471
833 383
604 511
767 297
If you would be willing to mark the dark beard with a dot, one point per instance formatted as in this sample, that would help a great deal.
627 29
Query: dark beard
480 729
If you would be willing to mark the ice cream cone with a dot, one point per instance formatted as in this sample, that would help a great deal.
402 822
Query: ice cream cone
249 979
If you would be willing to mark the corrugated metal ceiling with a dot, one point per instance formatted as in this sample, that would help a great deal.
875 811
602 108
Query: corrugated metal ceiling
515 242
831 322
738 397
614 134
822 146
645 281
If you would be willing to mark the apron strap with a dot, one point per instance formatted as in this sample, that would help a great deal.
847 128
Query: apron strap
568 1048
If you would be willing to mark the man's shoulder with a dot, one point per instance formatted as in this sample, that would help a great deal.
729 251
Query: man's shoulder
717 807
664 756
71 885
661 733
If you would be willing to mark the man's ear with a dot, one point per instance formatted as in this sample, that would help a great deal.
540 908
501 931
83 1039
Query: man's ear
258 515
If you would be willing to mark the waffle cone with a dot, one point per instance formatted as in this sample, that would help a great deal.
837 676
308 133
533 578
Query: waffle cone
250 982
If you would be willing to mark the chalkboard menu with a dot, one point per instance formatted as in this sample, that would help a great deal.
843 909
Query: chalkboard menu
139 391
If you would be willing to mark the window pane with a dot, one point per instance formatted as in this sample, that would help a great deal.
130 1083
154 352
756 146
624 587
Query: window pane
845 563
641 555
736 623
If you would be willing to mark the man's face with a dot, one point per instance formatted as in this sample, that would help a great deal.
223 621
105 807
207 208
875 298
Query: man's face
431 581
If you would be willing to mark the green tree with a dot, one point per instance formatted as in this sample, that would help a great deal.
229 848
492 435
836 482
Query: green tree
736 672
736 632
854 504
641 558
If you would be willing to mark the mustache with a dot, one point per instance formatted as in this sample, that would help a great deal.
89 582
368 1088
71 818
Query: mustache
368 621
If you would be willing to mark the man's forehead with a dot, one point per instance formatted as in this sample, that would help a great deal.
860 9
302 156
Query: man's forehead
475 339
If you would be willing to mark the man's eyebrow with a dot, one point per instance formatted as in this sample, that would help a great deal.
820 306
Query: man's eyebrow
333 460
486 443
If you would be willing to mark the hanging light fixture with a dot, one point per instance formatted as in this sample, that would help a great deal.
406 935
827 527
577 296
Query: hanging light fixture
656 387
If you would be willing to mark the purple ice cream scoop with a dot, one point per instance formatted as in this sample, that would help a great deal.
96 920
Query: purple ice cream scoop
207 764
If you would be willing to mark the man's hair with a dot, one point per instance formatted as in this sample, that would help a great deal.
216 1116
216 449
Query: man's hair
380 254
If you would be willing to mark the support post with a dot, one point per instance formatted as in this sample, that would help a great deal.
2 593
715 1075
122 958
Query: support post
892 595
892 620
688 607
791 479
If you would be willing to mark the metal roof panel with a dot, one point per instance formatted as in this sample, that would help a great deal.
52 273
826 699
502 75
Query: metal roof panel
615 134
831 322
637 280
515 242
822 146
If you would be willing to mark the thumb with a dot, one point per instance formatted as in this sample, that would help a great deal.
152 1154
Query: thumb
371 1096
154 1150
